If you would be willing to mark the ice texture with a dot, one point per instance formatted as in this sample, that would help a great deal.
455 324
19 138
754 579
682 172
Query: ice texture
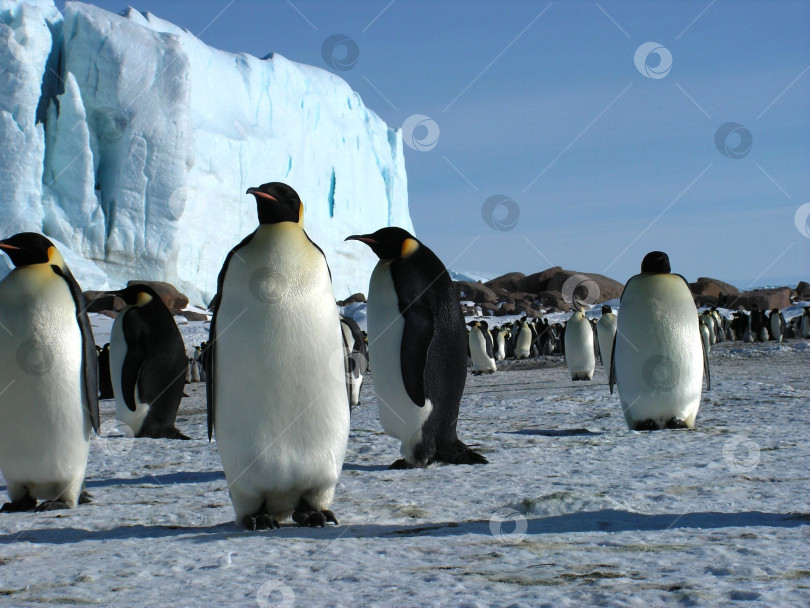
132 142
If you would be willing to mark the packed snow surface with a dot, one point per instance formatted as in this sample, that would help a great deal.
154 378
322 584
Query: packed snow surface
573 509
132 143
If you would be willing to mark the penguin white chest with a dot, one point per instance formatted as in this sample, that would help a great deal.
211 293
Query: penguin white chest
579 347
281 409
478 350
605 333
400 417
524 342
659 354
44 425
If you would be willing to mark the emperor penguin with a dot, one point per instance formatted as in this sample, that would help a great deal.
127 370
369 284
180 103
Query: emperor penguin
275 377
660 361
776 323
417 345
524 339
105 387
49 378
499 343
605 334
355 358
148 364
579 353
481 350
804 325
708 319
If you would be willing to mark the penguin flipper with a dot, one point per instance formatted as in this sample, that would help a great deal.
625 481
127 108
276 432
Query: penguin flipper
89 354
706 363
416 339
612 372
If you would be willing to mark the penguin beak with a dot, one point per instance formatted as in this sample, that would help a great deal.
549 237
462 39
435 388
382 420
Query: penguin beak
258 193
9 247
363 238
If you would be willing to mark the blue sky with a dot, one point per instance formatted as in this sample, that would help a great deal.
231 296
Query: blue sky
542 103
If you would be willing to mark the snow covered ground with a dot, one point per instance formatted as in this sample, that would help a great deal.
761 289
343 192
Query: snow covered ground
573 510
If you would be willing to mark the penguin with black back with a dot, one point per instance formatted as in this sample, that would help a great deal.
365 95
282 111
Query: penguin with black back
105 386
417 345
148 364
49 371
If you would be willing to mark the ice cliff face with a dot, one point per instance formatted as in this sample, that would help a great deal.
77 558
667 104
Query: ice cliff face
132 142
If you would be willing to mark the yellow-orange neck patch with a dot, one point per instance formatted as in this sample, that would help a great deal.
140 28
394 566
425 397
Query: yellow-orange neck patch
143 299
409 247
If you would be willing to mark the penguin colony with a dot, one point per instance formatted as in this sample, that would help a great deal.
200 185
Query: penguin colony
282 438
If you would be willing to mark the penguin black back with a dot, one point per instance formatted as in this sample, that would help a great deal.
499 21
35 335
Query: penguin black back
155 362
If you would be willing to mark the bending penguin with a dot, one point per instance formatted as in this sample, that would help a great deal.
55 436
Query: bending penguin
148 364
418 346
48 368
276 399
481 351
659 363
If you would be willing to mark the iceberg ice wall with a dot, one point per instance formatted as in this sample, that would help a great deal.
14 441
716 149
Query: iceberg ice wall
151 138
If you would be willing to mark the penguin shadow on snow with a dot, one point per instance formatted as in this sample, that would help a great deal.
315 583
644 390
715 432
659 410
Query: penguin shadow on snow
555 432
606 520
180 477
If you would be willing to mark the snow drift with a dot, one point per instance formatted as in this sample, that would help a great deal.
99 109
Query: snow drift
132 142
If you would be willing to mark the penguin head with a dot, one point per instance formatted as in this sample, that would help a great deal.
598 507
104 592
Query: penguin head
389 243
137 295
656 261
277 202
606 309
27 248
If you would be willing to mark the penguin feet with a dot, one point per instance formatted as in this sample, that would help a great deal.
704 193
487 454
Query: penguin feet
460 453
647 425
17 506
401 465
260 521
51 505
306 516
676 423
85 498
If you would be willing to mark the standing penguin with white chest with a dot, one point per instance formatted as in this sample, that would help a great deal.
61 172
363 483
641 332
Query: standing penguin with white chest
579 351
660 360
605 334
147 364
48 371
275 375
418 350
481 350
